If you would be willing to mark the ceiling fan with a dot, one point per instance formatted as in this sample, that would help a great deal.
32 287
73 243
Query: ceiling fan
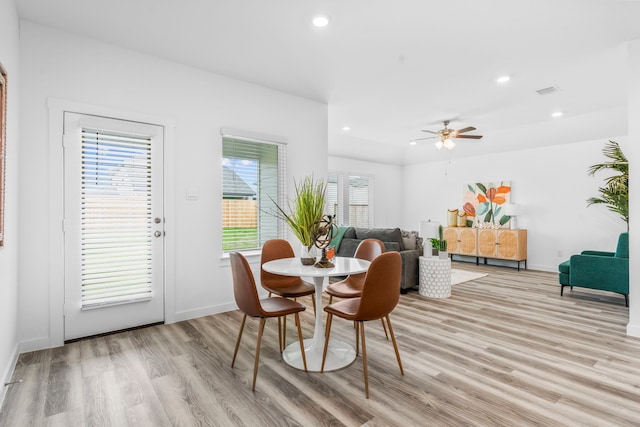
444 137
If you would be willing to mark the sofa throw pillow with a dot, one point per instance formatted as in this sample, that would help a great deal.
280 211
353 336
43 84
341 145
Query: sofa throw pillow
383 234
337 239
410 240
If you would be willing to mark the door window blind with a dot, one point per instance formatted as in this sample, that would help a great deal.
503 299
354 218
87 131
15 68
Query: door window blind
115 218
253 174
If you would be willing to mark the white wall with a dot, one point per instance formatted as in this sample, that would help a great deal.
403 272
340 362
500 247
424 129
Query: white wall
551 184
388 189
60 65
9 253
633 153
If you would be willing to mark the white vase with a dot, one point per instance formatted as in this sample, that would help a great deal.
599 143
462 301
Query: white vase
443 254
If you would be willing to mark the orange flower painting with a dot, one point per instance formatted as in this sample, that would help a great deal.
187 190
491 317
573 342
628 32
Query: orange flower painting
484 202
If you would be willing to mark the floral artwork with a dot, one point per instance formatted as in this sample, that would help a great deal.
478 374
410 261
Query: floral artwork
484 204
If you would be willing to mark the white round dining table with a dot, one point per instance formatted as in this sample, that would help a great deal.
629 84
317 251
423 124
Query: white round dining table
339 353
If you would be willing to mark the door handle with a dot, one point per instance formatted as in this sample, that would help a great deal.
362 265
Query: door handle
158 233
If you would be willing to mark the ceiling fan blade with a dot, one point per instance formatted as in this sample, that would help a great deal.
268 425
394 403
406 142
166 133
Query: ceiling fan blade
420 139
468 136
429 131
467 129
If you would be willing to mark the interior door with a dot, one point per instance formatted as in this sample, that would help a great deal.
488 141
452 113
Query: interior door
113 225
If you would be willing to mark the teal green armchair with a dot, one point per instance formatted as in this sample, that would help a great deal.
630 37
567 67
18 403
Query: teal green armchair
606 271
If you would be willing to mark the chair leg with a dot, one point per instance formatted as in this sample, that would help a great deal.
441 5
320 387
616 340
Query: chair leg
304 357
326 340
284 332
355 326
235 352
280 335
330 299
364 360
255 366
384 326
395 345
313 301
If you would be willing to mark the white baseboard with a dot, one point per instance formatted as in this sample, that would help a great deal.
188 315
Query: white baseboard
633 330
204 311
8 373
35 344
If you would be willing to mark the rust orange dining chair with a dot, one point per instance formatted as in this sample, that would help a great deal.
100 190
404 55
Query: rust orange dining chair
380 295
284 286
248 301
351 286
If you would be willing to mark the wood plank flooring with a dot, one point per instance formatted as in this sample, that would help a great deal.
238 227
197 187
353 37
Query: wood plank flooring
504 350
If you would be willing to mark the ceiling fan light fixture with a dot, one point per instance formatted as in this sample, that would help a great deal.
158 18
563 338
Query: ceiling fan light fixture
439 144
449 144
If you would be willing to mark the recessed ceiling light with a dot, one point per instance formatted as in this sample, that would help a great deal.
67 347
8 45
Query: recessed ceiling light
557 114
346 128
503 79
413 143
320 21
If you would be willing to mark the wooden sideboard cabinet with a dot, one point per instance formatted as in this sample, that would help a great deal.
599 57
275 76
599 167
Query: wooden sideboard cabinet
461 240
502 243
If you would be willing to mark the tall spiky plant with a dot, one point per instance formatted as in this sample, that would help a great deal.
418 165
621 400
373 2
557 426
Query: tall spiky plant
615 193
306 209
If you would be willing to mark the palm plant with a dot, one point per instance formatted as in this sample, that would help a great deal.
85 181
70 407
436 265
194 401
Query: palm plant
615 193
306 209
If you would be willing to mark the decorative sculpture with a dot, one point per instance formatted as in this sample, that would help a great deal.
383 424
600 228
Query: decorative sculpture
326 231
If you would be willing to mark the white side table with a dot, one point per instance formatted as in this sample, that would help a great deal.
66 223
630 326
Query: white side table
435 277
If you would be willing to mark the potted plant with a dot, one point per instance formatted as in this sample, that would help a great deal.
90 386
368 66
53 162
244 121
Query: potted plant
615 193
305 214
442 245
435 245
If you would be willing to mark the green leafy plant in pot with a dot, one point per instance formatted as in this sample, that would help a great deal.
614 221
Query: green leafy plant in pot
305 213
615 193
442 244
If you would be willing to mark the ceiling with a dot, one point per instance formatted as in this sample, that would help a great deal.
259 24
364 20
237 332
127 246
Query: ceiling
389 68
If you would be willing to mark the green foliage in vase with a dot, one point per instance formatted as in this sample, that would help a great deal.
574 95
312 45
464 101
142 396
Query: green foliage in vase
442 243
305 210
615 193
435 242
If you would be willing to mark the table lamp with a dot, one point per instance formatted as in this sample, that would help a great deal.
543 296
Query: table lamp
512 210
428 230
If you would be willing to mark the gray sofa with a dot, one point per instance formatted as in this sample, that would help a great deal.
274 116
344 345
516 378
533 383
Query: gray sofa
408 243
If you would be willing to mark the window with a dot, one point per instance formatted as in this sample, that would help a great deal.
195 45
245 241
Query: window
350 198
252 179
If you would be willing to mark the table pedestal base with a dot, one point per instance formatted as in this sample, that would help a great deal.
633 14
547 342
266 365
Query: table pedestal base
339 355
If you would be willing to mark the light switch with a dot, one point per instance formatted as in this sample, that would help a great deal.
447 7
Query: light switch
192 194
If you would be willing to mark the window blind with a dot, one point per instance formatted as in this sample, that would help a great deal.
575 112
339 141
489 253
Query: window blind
332 197
115 218
350 196
359 201
253 174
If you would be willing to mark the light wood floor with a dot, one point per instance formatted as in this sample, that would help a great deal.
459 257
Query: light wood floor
505 349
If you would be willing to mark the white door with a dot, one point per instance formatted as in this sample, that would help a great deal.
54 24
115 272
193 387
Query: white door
113 225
